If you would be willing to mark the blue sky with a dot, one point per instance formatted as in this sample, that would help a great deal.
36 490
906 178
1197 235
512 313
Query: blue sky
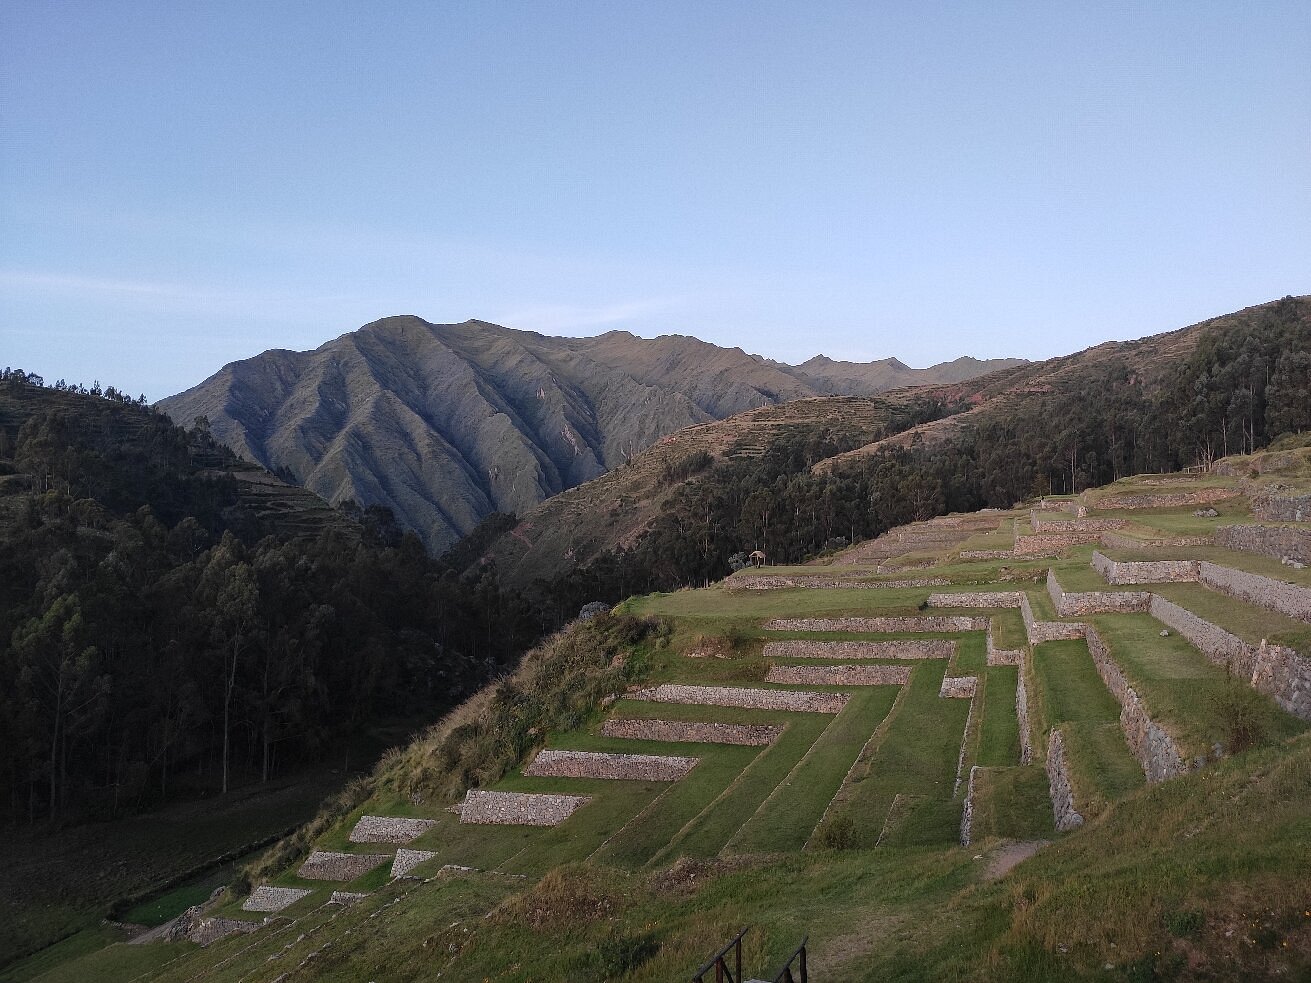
184 184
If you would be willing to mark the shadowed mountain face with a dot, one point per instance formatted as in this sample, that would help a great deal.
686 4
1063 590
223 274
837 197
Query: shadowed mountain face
448 423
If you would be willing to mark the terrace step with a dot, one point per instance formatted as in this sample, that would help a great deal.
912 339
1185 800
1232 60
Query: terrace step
550 763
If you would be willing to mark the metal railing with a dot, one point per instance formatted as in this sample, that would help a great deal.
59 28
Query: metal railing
717 962
785 975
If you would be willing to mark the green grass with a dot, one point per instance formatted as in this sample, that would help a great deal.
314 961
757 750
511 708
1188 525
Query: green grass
999 731
788 817
1012 803
76 946
1041 603
917 756
1102 768
1071 687
114 962
1248 622
1008 629
1182 689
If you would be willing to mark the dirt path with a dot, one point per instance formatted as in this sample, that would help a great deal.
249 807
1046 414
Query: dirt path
1008 855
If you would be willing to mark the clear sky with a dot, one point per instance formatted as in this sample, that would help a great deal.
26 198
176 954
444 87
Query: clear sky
187 183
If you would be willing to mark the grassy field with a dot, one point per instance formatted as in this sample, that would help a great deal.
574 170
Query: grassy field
999 740
1012 803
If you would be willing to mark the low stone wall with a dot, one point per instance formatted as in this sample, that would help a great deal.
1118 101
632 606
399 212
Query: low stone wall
269 899
1166 500
1116 541
910 648
407 860
325 865
347 897
816 583
987 554
1095 602
1061 787
976 599
1051 505
1282 508
551 763
690 731
1151 744
518 808
1041 525
1022 718
389 829
1280 542
1056 631
1266 592
927 624
1002 657
1285 676
967 814
839 675
958 687
193 926
741 696
1053 543
1119 572
1215 643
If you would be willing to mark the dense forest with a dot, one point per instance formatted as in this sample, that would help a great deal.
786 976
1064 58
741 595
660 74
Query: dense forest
1244 383
156 637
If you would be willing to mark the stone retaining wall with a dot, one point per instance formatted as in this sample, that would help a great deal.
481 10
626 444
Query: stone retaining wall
1116 541
1282 508
1053 542
550 763
967 814
269 899
839 675
976 599
1279 542
1022 718
325 865
987 554
690 731
518 808
1038 632
1165 500
740 696
407 860
1266 592
1095 602
1041 525
958 687
1285 676
1215 643
911 648
1119 572
816 583
1061 787
389 829
1002 657
1151 744
927 624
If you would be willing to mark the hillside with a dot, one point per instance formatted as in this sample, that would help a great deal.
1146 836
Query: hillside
794 479
446 424
1074 743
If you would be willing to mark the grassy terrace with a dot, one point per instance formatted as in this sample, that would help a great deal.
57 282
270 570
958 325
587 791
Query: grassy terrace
916 756
1184 691
999 730
1251 562
1073 696
1012 802
1250 623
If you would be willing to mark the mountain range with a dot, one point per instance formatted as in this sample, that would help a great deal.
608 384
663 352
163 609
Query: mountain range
446 424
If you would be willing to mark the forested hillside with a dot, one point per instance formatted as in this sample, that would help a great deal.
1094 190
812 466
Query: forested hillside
167 625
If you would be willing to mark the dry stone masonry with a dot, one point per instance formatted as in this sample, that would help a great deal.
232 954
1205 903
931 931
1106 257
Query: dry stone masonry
1289 544
1051 544
1164 500
926 648
1149 572
1067 817
1095 602
347 897
325 865
839 675
1288 599
620 767
1002 657
1022 718
958 687
389 829
691 731
816 583
1041 525
926 624
976 599
741 696
407 860
518 808
967 814
269 899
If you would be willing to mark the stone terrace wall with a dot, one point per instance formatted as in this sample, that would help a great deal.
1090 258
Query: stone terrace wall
1285 676
928 624
1280 542
1266 592
742 696
1164 500
389 829
1022 717
1038 632
325 865
916 648
1050 505
1062 787
519 808
269 899
1282 508
958 687
1095 602
976 599
816 583
987 554
1120 572
1002 657
1214 642
1150 743
967 815
690 731
1041 525
839 675
1053 542
1115 540
619 767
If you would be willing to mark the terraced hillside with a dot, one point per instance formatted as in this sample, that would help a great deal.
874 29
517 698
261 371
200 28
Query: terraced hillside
1116 687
